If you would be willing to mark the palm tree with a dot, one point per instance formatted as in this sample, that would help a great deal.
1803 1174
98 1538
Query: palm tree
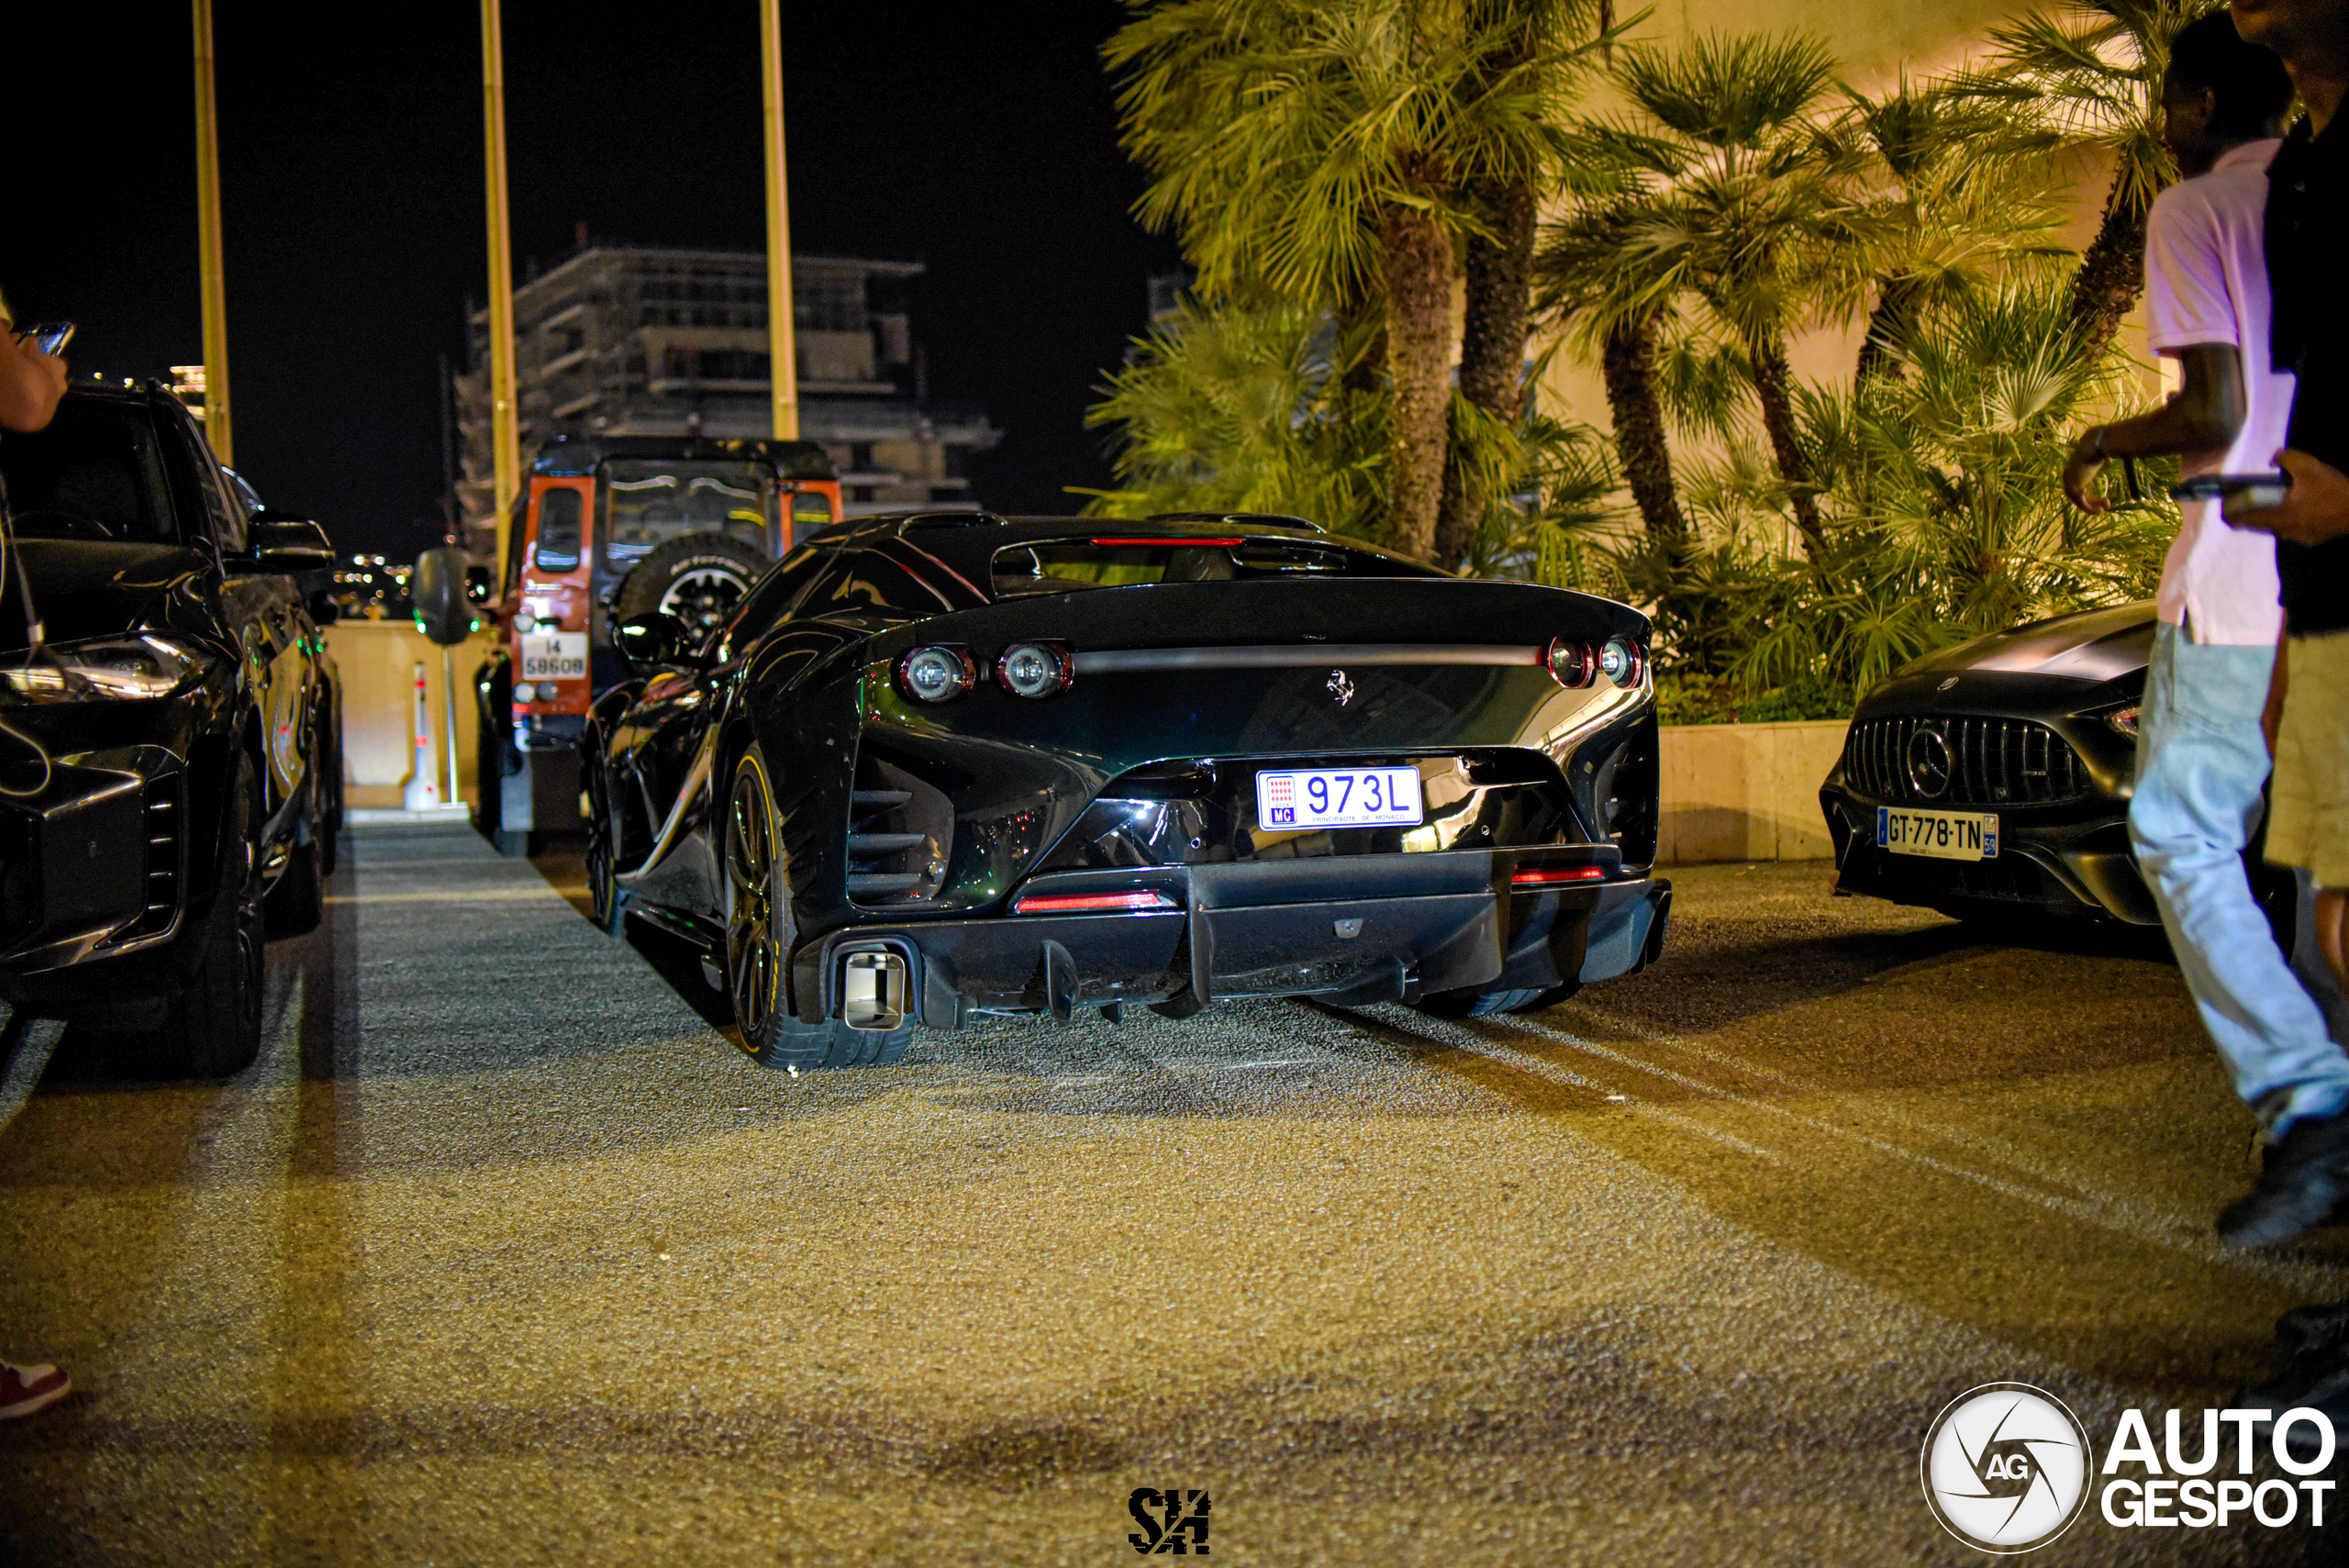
2091 72
1948 197
1327 152
1532 37
1717 192
1242 408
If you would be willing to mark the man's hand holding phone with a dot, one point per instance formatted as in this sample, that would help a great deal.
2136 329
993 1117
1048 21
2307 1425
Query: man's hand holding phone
2314 508
33 379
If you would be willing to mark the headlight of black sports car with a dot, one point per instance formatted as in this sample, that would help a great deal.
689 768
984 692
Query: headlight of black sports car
111 669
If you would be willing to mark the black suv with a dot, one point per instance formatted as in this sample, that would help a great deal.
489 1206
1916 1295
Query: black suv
170 731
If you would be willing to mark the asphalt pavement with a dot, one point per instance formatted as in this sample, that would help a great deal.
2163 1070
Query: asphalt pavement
502 1254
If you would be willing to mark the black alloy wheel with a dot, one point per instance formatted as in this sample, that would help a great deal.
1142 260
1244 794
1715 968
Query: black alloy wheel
213 1027
755 951
605 905
758 930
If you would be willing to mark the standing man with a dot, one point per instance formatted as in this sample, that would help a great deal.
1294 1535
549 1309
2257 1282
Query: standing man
2306 712
2202 761
31 384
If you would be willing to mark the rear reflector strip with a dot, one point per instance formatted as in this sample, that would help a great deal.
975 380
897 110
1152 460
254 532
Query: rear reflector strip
1304 655
1550 876
1088 903
1154 543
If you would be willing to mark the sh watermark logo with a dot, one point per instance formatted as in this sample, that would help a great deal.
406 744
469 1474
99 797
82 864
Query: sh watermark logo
1173 1522
2006 1467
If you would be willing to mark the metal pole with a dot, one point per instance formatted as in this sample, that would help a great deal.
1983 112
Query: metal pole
783 366
449 710
505 440
207 242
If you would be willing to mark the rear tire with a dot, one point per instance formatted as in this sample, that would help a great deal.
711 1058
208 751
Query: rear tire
759 931
606 839
328 807
298 902
489 762
700 578
213 1027
1484 1003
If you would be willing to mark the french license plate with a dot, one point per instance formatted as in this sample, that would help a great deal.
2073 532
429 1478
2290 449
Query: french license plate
1943 835
555 656
1339 797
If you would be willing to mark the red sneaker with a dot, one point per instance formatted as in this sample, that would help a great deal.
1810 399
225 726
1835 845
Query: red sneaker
24 1389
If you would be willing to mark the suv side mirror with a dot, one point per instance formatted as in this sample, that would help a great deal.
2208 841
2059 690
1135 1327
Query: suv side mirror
279 542
653 641
437 589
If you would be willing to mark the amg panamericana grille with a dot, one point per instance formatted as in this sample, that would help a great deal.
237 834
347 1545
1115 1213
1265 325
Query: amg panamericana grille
1989 762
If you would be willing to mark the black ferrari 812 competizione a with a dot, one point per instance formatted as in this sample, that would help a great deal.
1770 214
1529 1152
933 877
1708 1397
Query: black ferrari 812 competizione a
953 763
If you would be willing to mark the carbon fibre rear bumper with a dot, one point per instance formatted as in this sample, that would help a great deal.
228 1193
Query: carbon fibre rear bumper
1350 929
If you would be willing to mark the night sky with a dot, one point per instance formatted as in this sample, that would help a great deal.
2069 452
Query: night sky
978 139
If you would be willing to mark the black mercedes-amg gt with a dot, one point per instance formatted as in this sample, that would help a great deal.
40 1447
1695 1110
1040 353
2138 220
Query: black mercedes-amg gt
952 764
1993 778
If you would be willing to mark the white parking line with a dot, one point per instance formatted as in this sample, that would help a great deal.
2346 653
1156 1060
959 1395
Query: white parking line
2103 1210
1459 1038
452 896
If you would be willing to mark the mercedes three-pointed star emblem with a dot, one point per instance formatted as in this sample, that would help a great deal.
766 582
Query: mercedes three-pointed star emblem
1342 687
1929 762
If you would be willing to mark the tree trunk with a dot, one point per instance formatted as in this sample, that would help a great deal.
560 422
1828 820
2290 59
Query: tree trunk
1627 364
1419 359
1889 324
2112 271
1774 386
1492 349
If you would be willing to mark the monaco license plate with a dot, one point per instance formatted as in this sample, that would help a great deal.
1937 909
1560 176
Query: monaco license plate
555 656
1338 797
1943 835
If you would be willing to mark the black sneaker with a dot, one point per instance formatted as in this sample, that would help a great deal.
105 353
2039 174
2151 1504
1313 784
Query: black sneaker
2306 1175
2317 1380
2317 1327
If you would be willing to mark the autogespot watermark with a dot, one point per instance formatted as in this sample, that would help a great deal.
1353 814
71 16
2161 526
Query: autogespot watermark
2008 1468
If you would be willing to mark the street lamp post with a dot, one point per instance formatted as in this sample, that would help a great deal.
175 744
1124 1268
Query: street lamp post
504 439
207 242
783 366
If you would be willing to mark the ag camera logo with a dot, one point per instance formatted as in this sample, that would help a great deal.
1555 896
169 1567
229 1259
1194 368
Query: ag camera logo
2006 1467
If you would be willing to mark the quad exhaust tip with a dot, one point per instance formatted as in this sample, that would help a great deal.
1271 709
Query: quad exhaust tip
873 992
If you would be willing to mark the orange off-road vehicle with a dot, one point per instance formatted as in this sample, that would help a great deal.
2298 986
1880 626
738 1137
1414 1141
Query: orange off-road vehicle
608 527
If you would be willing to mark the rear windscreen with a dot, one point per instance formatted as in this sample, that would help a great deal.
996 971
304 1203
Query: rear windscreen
1056 566
648 502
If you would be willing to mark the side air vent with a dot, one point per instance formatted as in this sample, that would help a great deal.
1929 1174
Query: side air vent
1623 794
898 833
165 826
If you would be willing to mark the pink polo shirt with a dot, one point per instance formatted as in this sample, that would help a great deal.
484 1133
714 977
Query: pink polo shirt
2206 282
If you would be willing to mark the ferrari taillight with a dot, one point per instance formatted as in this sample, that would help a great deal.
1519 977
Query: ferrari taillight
1035 669
935 674
1622 662
1573 663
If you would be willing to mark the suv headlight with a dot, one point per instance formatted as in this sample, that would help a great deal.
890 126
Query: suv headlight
113 668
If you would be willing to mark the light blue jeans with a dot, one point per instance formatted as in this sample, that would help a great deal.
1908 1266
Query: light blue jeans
2201 764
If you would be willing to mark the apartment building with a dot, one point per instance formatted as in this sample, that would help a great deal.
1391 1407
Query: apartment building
619 340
